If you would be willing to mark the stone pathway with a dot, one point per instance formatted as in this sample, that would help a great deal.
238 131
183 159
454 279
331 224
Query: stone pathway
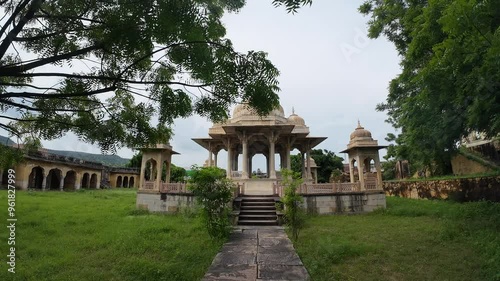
257 253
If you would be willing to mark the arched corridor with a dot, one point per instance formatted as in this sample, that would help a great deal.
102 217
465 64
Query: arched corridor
36 178
70 180
54 179
93 181
85 180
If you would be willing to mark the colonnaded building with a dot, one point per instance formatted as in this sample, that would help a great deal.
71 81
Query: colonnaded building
41 170
245 135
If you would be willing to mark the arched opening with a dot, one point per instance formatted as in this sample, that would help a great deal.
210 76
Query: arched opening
93 181
259 166
35 178
85 180
70 180
354 165
5 177
54 179
150 171
125 182
119 181
131 182
370 174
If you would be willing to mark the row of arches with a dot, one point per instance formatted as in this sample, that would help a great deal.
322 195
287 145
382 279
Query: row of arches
55 179
125 181
368 165
151 170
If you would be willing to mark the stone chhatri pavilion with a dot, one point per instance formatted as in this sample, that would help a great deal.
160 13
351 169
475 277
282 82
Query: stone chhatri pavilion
247 134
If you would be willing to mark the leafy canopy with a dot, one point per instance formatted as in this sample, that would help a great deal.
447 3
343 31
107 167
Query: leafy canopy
450 80
107 70
326 161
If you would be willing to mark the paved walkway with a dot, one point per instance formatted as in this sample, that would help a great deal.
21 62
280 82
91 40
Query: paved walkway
257 253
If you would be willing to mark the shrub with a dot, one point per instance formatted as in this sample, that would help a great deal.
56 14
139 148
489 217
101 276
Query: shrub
294 214
213 193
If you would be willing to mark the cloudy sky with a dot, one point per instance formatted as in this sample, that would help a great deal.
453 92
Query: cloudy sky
331 74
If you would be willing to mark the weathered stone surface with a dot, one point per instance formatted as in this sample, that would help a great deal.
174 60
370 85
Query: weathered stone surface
469 189
245 256
272 234
233 272
282 272
278 255
274 252
269 241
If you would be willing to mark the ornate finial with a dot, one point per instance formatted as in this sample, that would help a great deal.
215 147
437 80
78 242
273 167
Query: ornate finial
359 124
293 110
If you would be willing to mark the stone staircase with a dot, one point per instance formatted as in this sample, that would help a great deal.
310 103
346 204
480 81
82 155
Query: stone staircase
257 210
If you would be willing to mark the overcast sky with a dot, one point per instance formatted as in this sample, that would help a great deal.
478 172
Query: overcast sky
331 73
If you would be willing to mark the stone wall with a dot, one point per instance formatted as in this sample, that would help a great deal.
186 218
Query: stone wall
470 189
462 165
162 202
339 203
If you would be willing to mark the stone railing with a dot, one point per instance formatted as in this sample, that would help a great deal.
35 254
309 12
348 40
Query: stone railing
148 185
329 188
235 174
174 187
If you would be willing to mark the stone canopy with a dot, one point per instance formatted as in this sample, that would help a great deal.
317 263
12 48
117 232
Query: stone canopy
248 134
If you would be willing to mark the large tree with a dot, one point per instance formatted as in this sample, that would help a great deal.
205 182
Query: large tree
450 80
117 73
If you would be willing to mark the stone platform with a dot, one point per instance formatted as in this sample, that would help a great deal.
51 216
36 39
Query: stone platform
257 253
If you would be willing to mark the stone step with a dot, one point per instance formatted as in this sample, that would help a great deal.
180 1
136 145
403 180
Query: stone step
258 217
258 207
258 212
245 203
258 199
257 222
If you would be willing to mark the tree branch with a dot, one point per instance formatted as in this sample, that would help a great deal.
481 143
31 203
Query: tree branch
11 19
104 78
49 96
13 33
6 71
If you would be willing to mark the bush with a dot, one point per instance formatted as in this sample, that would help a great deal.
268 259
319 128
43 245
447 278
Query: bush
213 193
294 214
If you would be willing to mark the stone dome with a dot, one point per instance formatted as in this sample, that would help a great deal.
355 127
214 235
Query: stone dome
296 120
244 109
360 132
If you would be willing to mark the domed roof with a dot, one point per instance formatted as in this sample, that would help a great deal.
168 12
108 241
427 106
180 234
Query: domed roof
296 120
243 109
360 132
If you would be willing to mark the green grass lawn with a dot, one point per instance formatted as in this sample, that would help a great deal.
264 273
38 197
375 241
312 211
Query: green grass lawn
410 240
98 235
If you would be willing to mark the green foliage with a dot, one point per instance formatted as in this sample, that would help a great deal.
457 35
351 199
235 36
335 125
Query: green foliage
10 156
326 161
294 213
398 242
101 235
116 66
135 161
336 176
450 77
213 192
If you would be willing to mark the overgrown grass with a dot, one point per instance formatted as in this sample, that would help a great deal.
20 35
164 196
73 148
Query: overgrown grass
99 235
410 240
